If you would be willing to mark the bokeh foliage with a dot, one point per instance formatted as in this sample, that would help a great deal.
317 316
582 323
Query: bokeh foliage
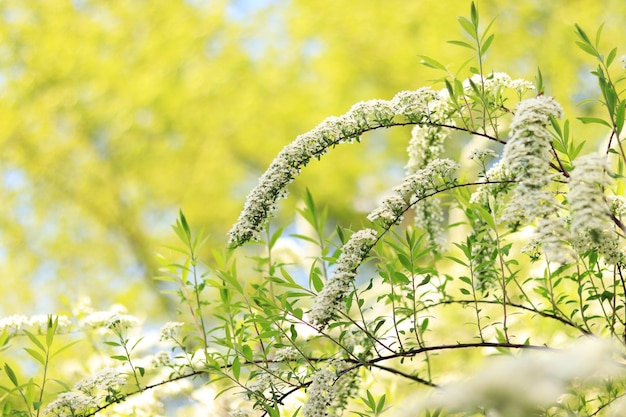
116 114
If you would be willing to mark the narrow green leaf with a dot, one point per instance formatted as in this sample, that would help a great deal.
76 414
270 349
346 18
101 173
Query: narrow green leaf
34 339
431 62
463 44
474 14
486 45
69 345
36 355
10 374
467 27
185 225
619 117
539 81
119 357
611 57
51 330
236 367
599 35
589 120
582 34
587 48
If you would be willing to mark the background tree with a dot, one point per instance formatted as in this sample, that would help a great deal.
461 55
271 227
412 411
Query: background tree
117 114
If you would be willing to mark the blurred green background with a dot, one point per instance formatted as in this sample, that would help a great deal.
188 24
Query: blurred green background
115 114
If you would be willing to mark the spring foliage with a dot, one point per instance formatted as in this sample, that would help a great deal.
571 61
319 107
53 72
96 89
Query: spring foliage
488 285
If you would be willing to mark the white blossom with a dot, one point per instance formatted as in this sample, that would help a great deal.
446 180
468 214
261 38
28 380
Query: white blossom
321 394
170 331
420 106
515 386
412 192
589 211
527 156
72 403
39 323
108 320
286 354
338 285
103 383
552 233
13 324
482 154
241 413
496 81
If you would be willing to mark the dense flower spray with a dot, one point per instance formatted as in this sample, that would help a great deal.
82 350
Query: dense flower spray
329 300
422 106
527 157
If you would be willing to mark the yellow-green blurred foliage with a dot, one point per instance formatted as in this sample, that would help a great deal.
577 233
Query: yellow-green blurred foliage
115 114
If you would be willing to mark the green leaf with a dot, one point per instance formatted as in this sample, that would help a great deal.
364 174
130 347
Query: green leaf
588 120
34 339
69 345
10 374
35 354
486 45
587 48
51 330
619 117
474 14
463 44
119 357
236 367
611 57
185 225
582 34
539 81
468 27
431 63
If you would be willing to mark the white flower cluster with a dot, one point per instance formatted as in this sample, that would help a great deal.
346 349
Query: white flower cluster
286 354
414 187
425 145
88 394
105 383
589 211
109 320
321 394
527 156
421 106
72 403
552 234
37 324
482 155
516 386
496 81
170 331
338 286
241 413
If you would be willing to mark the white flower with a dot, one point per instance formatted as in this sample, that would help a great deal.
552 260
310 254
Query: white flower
13 324
338 286
241 413
496 81
552 233
516 386
589 212
425 145
73 403
420 106
482 154
286 354
170 331
109 320
321 394
39 323
100 385
527 156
